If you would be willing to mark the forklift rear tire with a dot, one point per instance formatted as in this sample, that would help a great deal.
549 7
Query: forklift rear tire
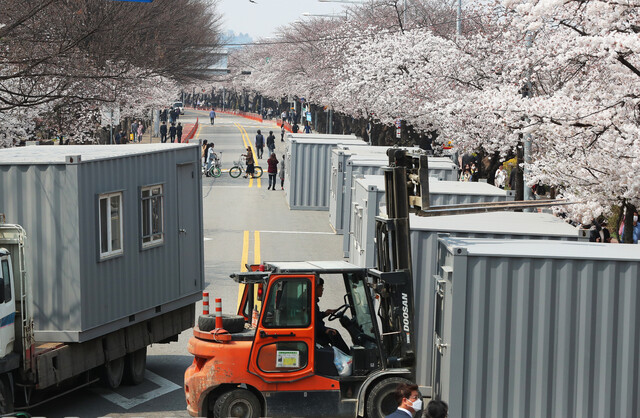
237 403
232 323
112 373
135 365
382 400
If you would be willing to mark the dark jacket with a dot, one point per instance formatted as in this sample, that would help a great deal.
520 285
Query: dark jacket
295 128
397 414
271 141
273 165
179 130
172 131
163 129
259 140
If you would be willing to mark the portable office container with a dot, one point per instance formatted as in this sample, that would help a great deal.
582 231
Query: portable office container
537 329
308 171
361 247
424 245
114 232
328 137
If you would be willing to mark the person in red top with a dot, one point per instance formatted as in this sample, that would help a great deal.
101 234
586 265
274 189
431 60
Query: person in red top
272 170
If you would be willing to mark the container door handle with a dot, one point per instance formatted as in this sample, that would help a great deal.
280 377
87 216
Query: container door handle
182 230
265 335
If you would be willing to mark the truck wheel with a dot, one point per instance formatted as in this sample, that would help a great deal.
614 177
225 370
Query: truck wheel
382 400
232 323
134 366
237 403
112 373
6 400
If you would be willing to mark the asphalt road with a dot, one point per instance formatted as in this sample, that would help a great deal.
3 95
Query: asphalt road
242 221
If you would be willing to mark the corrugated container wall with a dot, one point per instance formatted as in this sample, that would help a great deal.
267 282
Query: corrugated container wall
368 196
538 329
77 295
308 171
440 193
349 161
424 246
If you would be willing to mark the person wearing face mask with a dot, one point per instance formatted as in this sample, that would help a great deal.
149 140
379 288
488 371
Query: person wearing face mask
409 401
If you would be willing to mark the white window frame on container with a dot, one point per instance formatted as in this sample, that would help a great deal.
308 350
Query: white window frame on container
114 246
152 200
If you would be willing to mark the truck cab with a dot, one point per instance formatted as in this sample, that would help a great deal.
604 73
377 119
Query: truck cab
268 369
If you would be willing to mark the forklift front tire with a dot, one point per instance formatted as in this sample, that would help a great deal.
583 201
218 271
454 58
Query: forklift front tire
382 400
237 403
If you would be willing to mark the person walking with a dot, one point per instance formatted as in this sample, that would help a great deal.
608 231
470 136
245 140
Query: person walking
179 132
118 137
271 143
282 132
212 116
259 144
281 171
409 401
140 131
203 152
134 130
295 128
250 162
172 116
163 132
272 162
172 132
307 128
500 177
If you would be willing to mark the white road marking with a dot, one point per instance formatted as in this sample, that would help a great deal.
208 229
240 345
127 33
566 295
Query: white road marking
166 386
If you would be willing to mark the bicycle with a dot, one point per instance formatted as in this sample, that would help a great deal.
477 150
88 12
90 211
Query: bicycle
239 168
216 167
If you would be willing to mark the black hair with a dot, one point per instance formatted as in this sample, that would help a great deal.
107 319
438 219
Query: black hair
404 391
320 281
436 409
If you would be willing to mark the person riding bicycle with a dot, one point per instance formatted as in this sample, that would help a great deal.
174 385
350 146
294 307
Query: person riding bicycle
250 163
211 157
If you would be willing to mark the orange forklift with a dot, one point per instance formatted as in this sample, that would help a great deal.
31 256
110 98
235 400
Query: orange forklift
271 364
268 362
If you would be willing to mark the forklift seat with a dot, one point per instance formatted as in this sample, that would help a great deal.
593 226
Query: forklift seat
324 365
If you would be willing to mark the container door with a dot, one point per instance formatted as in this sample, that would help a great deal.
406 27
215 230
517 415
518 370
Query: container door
441 349
188 228
284 343
7 308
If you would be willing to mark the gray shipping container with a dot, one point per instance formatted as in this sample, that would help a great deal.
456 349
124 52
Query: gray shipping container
83 285
424 249
308 171
538 329
362 247
345 163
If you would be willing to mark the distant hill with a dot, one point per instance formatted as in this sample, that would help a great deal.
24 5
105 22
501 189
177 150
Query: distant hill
230 38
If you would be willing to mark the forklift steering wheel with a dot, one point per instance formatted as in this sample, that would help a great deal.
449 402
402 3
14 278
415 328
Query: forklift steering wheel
339 313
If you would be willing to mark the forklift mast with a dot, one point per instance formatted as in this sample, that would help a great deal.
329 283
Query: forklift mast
393 277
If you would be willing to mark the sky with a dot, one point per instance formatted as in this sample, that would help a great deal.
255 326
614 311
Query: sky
260 19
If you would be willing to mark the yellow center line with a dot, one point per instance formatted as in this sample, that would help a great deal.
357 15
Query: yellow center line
243 263
198 131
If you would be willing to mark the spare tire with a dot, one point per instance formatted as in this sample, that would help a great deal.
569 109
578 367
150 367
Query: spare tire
232 323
